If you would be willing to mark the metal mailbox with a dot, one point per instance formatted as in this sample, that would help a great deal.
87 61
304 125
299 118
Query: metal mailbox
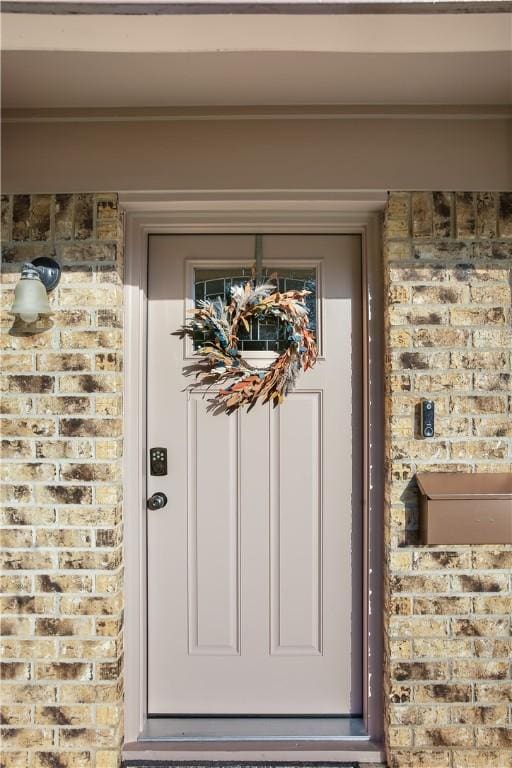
458 508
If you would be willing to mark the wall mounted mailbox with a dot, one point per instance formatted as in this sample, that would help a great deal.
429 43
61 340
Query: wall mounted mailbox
459 508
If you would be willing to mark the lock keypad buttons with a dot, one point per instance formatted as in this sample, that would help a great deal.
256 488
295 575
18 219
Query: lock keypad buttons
158 461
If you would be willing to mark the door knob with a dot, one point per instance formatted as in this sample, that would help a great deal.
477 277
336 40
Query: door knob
157 501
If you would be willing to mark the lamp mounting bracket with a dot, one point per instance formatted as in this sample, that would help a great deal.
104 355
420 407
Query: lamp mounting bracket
49 271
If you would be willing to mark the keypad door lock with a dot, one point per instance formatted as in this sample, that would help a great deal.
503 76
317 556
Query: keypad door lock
158 461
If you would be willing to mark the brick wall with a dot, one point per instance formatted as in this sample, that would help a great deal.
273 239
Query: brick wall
448 264
61 472
448 267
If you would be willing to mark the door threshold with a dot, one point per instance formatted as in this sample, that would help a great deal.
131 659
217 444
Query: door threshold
163 753
298 740
223 730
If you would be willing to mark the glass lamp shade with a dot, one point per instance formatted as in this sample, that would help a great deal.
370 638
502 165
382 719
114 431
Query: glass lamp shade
30 297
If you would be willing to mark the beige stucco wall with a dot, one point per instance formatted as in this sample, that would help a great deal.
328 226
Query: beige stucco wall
343 153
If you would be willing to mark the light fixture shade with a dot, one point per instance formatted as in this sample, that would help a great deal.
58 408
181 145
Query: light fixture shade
30 297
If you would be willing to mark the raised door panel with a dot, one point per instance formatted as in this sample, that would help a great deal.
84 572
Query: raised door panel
296 525
213 530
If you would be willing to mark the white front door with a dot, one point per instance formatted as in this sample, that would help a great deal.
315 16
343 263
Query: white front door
254 565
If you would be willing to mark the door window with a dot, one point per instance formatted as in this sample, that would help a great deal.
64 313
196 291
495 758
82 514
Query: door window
265 335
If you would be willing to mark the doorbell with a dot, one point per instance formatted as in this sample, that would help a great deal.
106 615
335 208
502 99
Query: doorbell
427 418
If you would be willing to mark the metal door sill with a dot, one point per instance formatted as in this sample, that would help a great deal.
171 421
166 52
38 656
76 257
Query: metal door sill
282 730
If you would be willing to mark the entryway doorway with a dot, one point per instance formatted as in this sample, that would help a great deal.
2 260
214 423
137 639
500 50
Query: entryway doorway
262 572
255 563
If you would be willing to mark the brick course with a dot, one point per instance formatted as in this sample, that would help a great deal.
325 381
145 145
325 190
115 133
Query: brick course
448 271
61 473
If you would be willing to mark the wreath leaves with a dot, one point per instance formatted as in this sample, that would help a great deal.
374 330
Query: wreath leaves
221 362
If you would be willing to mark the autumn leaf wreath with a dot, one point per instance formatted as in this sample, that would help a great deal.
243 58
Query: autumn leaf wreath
222 363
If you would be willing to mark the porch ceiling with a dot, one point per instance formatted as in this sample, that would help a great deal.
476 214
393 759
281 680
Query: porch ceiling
121 61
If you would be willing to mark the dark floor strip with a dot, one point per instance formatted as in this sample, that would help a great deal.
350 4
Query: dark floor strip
230 764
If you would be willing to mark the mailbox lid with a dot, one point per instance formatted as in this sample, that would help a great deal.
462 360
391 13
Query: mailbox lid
461 485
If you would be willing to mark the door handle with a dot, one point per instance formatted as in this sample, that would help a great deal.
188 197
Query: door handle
157 501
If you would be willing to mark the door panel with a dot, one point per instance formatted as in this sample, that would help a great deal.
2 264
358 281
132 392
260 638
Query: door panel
213 523
295 526
254 593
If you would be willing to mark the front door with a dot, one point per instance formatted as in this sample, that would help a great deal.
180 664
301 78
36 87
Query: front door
254 565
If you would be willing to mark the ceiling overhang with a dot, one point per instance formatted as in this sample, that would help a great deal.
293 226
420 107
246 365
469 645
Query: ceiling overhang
177 7
369 34
81 61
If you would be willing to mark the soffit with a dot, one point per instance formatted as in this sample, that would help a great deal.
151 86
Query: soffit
154 61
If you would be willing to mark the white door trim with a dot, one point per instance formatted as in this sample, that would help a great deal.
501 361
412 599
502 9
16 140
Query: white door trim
321 211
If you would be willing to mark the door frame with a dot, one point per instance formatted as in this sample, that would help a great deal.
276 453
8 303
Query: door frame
247 211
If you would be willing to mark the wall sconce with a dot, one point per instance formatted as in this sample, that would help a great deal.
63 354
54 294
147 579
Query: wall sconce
30 296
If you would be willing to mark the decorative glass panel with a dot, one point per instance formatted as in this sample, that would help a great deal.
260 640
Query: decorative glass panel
268 335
